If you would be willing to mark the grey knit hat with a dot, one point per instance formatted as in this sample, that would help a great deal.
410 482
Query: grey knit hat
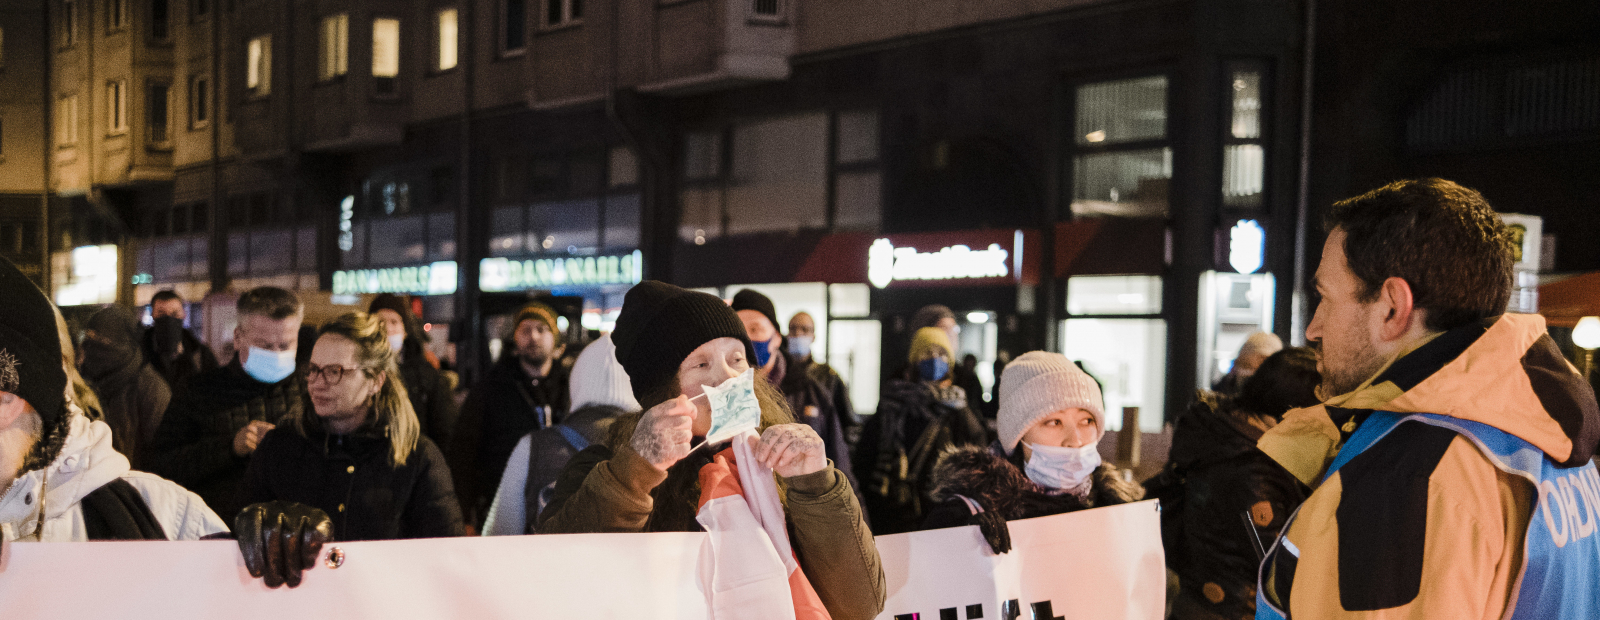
1039 383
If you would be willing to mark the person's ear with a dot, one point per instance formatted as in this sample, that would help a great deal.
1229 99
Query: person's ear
1396 309
12 407
377 383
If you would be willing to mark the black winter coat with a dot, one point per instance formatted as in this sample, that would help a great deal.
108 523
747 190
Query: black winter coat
429 393
195 358
499 410
1214 477
353 478
193 445
999 487
899 447
819 405
133 399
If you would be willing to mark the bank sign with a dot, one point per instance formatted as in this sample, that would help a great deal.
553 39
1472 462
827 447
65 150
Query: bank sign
907 259
436 278
505 274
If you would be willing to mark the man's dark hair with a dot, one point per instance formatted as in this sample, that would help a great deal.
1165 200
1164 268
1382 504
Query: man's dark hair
165 295
1287 380
929 316
269 301
1441 238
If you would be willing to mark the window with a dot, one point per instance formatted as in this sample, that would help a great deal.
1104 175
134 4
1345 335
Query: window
513 26
768 11
1115 331
160 28
199 8
1243 152
116 14
116 106
157 110
258 66
69 22
67 121
445 29
857 179
385 53
333 55
1121 162
562 12
199 102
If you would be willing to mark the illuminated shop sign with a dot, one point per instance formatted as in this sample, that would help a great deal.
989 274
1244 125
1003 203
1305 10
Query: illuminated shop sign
887 263
85 275
1246 243
437 278
504 274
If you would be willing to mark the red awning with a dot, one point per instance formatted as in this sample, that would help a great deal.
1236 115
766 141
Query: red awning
1563 303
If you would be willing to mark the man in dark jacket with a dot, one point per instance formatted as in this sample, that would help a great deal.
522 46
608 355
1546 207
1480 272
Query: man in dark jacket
525 391
800 343
133 396
430 395
210 430
1215 476
171 349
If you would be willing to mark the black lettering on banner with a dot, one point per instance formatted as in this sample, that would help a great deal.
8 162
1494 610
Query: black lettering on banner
1010 610
974 611
1042 611
948 613
908 617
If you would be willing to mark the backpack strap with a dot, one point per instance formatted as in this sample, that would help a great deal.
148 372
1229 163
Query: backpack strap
573 438
116 511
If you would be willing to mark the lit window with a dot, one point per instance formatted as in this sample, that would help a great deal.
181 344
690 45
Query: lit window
1121 165
333 58
445 22
258 65
1244 157
116 106
385 47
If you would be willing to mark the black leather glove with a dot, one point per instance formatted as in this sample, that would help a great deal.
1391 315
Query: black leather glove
281 539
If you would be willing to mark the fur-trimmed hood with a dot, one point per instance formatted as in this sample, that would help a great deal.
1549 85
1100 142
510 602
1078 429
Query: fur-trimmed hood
994 481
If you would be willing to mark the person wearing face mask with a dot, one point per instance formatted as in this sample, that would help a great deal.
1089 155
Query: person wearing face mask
800 342
431 396
214 424
1046 462
170 348
645 477
917 420
132 395
527 389
809 399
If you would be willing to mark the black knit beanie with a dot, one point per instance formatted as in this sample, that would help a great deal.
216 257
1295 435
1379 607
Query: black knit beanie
30 346
749 299
660 325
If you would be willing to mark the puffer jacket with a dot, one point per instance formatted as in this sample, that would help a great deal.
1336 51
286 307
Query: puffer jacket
86 463
194 444
1213 478
430 394
915 423
1423 524
978 486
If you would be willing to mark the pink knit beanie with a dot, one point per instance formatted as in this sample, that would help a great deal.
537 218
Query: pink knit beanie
1039 383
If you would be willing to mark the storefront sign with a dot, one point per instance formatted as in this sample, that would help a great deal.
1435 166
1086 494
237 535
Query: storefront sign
504 274
1246 242
887 263
437 278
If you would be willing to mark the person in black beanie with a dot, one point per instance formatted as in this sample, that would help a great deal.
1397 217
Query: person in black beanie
62 479
645 478
133 396
431 397
811 401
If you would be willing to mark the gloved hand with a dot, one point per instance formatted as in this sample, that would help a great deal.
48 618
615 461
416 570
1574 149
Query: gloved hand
281 539
993 527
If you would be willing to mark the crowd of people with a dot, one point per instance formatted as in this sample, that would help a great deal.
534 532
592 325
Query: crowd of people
1357 478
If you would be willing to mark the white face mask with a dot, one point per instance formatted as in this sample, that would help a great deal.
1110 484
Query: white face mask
396 341
1065 469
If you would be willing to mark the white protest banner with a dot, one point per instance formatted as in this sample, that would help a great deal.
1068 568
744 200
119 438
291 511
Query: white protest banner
1098 563
623 576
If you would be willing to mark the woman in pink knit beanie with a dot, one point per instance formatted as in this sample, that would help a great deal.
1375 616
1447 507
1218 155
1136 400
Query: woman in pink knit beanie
1051 419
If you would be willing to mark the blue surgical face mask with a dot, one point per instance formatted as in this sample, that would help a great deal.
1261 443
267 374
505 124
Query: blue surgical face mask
1066 469
269 366
933 368
763 352
396 341
800 346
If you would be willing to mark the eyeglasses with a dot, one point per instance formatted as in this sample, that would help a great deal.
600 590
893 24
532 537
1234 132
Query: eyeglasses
331 375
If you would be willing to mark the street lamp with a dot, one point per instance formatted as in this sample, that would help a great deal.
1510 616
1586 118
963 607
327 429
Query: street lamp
1587 336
